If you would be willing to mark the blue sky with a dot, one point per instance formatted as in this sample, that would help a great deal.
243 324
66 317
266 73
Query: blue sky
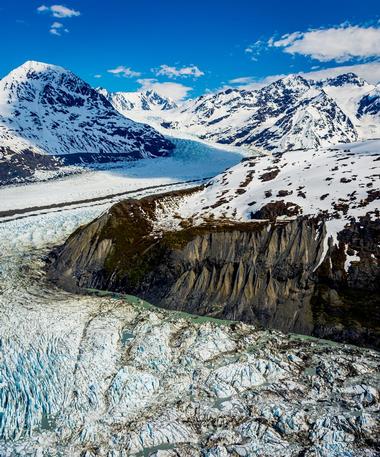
188 47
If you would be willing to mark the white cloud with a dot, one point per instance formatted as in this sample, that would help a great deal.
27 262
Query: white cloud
57 28
243 80
126 72
341 43
98 76
175 91
58 11
174 72
369 71
255 49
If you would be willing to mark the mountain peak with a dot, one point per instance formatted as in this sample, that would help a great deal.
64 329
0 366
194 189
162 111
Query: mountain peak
38 67
147 100
103 91
165 103
51 110
344 79
291 82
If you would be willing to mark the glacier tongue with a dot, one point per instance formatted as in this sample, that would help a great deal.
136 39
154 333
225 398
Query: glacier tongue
111 376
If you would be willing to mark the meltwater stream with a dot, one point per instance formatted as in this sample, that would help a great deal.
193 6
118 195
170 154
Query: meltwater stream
99 376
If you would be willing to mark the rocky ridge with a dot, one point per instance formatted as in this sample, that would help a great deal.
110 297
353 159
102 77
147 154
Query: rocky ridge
147 100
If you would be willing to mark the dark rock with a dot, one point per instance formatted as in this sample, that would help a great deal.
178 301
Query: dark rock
270 175
279 208
20 167
257 272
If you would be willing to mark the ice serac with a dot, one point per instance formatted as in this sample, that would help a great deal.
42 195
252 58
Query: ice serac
259 244
47 109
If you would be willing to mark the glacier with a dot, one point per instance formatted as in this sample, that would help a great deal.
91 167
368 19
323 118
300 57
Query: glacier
110 375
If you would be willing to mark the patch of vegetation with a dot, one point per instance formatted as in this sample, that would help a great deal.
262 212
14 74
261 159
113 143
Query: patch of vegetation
179 239
137 250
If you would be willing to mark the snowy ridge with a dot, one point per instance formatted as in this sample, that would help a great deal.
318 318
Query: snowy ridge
146 106
290 113
370 103
148 100
48 109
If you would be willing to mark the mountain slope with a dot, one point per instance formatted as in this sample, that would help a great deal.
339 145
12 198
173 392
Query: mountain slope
315 121
352 94
287 114
48 109
370 104
142 106
290 240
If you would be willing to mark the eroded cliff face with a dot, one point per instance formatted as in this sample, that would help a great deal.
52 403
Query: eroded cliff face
279 274
253 272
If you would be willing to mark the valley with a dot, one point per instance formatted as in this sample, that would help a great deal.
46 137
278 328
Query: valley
166 269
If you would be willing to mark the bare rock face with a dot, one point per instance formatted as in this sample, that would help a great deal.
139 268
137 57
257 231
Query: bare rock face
276 274
23 166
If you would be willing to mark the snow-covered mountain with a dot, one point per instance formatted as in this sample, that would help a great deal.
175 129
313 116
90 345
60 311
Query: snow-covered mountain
291 113
369 104
142 105
47 109
357 99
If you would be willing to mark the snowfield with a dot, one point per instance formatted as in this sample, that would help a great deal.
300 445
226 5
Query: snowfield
340 183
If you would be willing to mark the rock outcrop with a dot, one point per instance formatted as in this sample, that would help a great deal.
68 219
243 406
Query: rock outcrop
25 165
282 275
